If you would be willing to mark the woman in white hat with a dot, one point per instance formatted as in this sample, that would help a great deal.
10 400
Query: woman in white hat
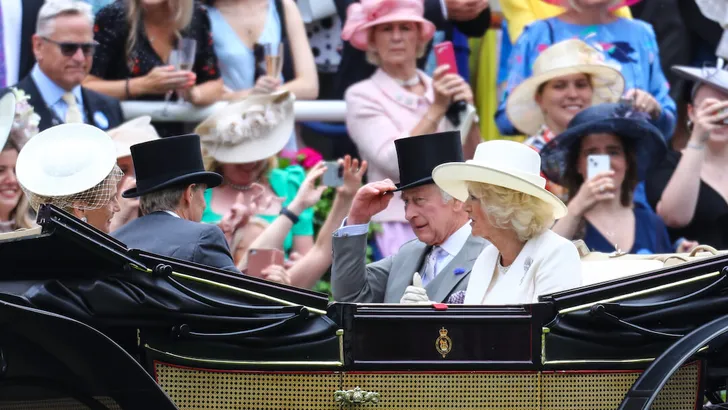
130 133
241 142
629 45
568 77
72 166
18 122
508 204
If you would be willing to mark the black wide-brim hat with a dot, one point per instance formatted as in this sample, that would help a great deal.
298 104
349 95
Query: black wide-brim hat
168 162
622 120
417 156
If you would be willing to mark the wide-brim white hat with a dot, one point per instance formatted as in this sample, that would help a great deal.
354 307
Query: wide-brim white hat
507 164
132 132
7 117
65 160
561 59
250 130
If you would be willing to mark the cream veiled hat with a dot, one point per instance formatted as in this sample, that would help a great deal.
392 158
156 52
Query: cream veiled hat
69 165
249 130
563 58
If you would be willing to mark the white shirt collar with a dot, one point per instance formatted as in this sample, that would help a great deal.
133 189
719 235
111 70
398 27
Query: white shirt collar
172 213
456 241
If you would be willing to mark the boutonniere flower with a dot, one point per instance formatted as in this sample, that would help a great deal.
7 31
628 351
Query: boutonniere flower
458 271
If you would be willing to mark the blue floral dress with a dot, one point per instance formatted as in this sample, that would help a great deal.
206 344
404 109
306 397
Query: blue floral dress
628 45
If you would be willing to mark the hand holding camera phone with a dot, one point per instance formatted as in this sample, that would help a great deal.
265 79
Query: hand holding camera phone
334 175
597 164
259 259
445 54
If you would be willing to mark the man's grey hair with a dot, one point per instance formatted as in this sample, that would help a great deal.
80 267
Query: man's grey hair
54 8
445 196
167 199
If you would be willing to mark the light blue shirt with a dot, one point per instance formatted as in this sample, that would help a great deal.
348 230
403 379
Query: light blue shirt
53 94
235 60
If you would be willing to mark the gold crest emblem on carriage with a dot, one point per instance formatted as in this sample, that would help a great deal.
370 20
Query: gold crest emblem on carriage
443 344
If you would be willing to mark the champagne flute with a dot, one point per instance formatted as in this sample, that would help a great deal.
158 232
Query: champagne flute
186 53
273 59
173 61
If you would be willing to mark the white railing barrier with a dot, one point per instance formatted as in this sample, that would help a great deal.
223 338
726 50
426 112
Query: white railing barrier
320 110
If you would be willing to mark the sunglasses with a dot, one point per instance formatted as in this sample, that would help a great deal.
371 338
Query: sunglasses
69 49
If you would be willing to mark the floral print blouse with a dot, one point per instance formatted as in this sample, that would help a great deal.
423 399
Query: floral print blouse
628 45
111 61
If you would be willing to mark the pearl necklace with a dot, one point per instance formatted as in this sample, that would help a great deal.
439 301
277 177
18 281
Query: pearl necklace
241 188
502 269
410 82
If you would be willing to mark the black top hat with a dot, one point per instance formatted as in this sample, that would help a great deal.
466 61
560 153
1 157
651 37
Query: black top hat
618 119
167 162
418 156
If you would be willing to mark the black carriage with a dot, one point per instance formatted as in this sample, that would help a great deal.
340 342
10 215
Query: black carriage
87 323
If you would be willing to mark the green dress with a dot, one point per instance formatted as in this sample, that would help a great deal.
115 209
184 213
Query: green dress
285 184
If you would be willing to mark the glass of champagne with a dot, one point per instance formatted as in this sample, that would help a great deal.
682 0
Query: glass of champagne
273 59
173 60
186 52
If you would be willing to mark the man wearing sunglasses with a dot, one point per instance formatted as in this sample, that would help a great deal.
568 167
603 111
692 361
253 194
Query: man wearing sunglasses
64 46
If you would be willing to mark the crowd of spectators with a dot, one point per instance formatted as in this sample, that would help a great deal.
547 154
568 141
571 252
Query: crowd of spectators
575 79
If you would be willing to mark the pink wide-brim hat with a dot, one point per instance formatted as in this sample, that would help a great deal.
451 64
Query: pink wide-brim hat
623 3
360 17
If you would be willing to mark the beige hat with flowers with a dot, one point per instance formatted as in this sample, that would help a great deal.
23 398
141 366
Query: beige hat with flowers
249 130
561 59
132 132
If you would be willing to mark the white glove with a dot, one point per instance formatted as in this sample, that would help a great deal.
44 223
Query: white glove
415 294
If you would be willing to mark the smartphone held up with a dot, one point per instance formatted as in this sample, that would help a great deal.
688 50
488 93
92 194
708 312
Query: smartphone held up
259 259
597 164
334 175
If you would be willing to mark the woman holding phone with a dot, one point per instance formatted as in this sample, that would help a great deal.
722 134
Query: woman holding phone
605 151
689 189
398 100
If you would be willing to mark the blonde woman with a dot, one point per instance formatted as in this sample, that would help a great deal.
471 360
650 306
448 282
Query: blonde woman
144 32
15 130
241 142
72 166
508 205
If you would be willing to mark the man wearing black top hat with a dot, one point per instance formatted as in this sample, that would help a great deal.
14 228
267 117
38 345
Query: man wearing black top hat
444 251
171 181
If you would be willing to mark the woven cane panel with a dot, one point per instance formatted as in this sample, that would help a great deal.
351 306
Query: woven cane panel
441 391
58 404
597 391
199 389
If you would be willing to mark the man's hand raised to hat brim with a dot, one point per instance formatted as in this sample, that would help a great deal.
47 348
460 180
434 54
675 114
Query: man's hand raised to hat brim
369 200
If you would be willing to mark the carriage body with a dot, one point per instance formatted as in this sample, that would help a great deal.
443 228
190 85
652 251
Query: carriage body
208 339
